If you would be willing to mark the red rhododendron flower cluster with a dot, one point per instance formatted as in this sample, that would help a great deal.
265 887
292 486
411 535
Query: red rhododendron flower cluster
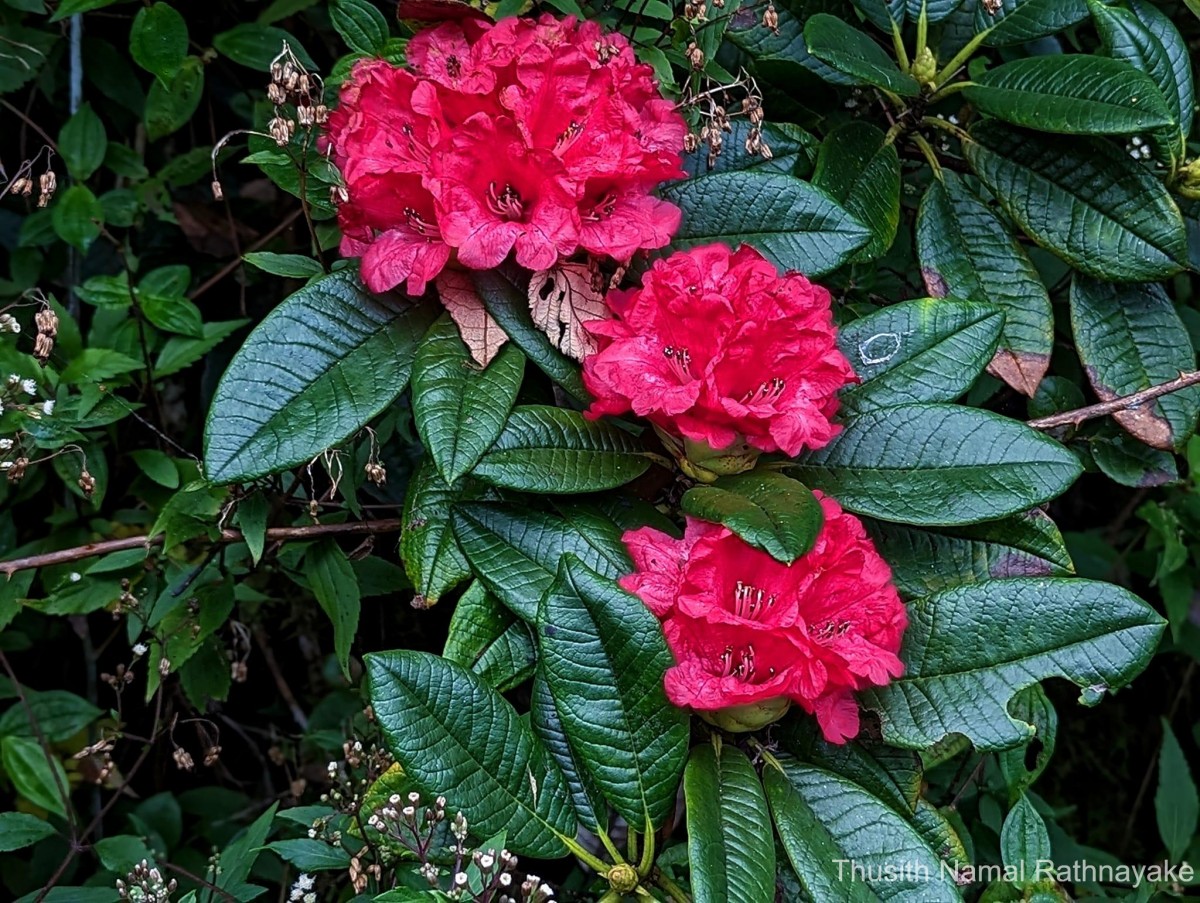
746 629
541 136
717 347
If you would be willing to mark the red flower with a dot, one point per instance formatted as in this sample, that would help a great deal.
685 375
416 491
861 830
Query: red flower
748 630
541 137
717 348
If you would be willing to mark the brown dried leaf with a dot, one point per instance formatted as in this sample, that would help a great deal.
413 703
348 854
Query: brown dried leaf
561 300
480 333
1022 370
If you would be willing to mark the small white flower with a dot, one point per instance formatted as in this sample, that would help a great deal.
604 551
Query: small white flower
6 465
14 379
140 649
48 407
310 897
75 576
305 882
5 444
1136 141
460 880
29 386
14 327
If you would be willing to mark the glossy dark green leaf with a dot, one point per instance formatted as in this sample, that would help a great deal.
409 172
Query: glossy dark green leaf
321 365
590 807
432 558
938 465
311 855
855 53
794 224
360 24
333 582
456 737
793 151
490 640
1125 460
171 105
860 169
516 550
1146 38
20 829
827 824
82 142
1024 840
927 561
254 45
77 217
35 776
1019 21
1129 338
731 856
506 297
1086 201
1076 94
967 651
603 656
780 54
59 715
158 40
923 350
768 510
967 252
552 450
459 408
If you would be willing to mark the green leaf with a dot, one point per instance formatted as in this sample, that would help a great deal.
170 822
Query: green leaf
172 314
456 737
311 855
180 352
1076 94
78 217
1020 21
1022 765
158 41
781 54
239 856
507 300
460 409
924 350
333 583
927 561
603 656
516 551
60 715
1147 39
548 449
590 807
1129 338
1176 805
490 640
1125 460
795 225
731 856
360 24
82 143
860 170
294 266
938 465
967 252
321 365
19 830
432 559
157 466
1086 201
1096 635
1024 841
854 53
35 775
99 364
71 7
766 509
829 825
122 852
793 151
170 106
255 46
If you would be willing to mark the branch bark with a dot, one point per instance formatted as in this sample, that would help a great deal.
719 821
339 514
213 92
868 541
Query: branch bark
1104 408
274 534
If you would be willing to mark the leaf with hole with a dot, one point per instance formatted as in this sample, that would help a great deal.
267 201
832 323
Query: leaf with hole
969 650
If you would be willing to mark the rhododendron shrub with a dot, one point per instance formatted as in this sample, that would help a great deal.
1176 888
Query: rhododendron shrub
537 138
724 355
747 630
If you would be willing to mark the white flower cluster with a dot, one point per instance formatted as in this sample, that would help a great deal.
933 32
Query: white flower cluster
302 890
1138 148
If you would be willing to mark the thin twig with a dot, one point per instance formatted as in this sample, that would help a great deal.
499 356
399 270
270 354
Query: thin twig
274 534
1104 408
237 262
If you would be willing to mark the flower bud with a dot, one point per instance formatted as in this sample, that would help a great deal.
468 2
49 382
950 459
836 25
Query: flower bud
1189 180
622 878
924 67
750 717
702 462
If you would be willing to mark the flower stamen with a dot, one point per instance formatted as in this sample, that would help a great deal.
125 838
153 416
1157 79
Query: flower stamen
766 391
506 203
681 362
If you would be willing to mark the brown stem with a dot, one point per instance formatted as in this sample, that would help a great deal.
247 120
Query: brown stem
1104 408
237 262
274 534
